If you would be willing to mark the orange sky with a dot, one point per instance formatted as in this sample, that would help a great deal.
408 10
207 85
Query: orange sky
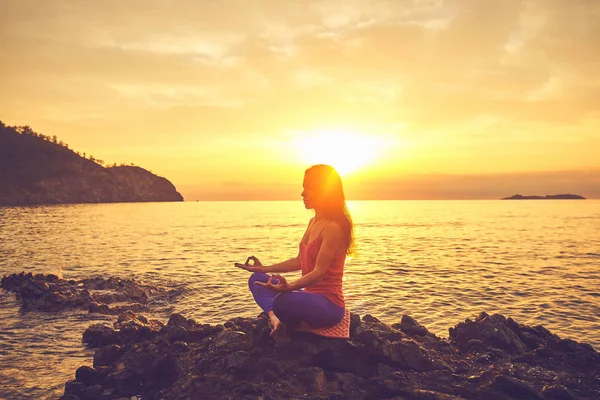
425 99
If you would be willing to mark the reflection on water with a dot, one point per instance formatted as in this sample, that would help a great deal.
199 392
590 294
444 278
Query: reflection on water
439 261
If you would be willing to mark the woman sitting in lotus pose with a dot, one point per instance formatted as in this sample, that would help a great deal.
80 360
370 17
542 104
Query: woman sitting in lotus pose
317 297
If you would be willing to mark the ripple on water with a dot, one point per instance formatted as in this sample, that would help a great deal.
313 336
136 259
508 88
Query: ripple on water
439 262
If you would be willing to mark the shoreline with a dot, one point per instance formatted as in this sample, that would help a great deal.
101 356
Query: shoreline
492 357
489 357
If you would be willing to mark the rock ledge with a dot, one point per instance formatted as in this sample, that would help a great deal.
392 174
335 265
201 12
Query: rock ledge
491 358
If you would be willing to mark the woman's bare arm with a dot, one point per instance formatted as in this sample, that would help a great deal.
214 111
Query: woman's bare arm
293 264
332 235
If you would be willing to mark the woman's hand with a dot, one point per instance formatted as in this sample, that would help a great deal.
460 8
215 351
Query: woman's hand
281 286
256 265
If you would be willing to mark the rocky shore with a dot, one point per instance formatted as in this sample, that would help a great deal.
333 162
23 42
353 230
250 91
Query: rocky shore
491 358
49 293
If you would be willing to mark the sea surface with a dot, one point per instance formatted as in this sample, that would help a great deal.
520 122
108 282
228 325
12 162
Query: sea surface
438 261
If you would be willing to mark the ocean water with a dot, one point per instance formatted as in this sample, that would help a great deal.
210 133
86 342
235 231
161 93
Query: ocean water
438 261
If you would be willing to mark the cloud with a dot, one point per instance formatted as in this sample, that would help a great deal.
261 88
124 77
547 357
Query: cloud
476 78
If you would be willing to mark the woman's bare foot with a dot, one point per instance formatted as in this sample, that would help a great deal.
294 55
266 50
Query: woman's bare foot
278 328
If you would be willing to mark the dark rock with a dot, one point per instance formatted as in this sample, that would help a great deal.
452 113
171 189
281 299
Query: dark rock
267 370
347 357
99 308
532 341
198 333
407 354
238 360
87 375
99 335
419 394
295 350
69 397
177 333
179 348
368 318
410 326
74 388
556 392
50 293
516 388
178 320
482 316
130 316
165 372
354 323
312 379
231 340
492 331
106 355
93 392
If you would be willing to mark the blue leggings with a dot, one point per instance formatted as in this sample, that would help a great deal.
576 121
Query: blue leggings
295 307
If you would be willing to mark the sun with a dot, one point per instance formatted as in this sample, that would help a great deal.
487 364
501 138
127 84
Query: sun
346 151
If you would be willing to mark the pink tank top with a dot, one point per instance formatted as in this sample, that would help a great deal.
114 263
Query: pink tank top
331 283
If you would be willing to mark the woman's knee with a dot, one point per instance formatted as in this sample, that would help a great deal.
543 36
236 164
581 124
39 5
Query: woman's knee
257 277
282 303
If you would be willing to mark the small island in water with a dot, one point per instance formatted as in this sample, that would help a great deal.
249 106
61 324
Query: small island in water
547 197
39 169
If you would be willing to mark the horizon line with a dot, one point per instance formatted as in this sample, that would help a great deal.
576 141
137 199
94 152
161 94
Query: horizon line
423 199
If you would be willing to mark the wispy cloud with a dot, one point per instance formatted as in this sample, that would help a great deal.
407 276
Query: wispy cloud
496 77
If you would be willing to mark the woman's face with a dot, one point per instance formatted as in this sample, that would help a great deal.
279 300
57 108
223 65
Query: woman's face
310 192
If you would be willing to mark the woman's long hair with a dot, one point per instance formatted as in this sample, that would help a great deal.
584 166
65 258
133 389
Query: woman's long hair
332 201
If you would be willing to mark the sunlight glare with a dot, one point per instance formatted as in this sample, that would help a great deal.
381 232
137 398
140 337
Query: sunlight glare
346 151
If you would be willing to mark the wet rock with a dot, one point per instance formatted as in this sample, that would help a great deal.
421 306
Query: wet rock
295 350
74 389
106 355
178 348
347 357
407 354
410 326
93 392
69 397
556 392
178 320
354 323
177 333
200 332
229 340
419 394
49 293
87 375
516 388
164 372
133 327
267 370
312 379
238 360
492 331
99 335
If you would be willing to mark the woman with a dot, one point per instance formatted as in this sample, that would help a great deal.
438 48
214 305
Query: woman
317 297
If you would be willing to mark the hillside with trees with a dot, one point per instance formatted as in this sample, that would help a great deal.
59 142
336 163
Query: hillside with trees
40 169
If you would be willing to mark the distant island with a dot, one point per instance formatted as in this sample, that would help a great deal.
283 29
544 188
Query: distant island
40 169
547 197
